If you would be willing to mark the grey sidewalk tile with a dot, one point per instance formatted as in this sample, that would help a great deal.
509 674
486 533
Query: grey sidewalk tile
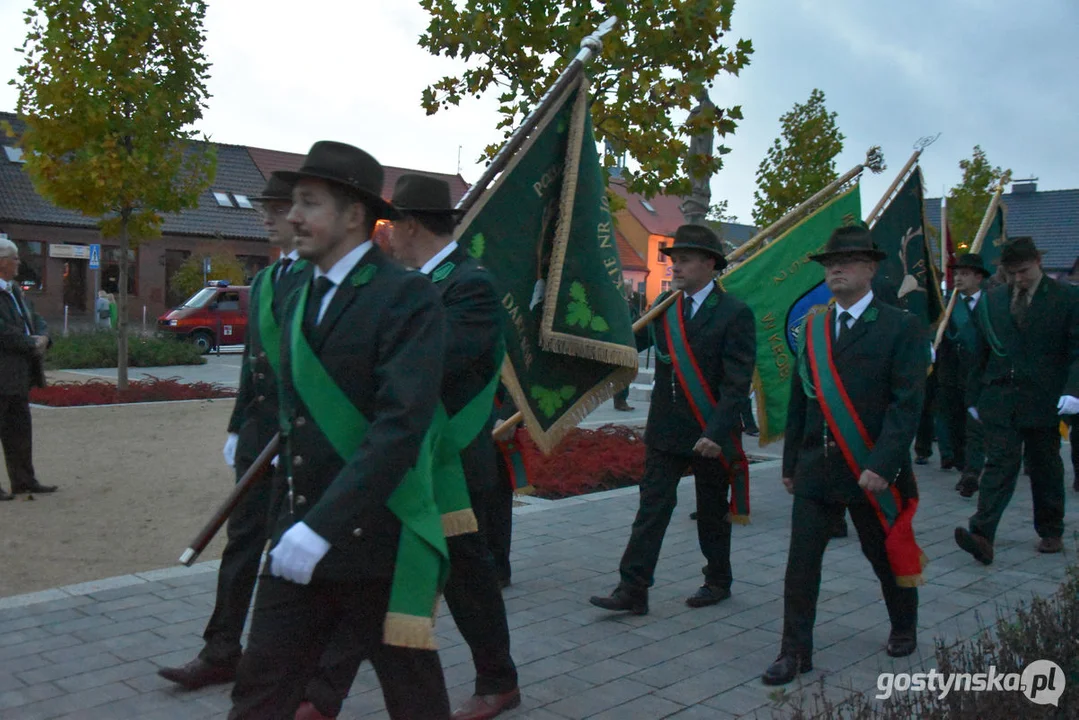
107 588
62 668
746 699
649 706
20 697
604 671
77 701
106 629
599 698
700 687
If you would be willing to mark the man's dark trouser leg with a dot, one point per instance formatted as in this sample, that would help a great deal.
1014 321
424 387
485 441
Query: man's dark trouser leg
902 602
953 416
1046 480
499 525
923 441
291 627
812 522
974 461
713 524
748 422
1073 441
1003 454
16 436
247 531
658 497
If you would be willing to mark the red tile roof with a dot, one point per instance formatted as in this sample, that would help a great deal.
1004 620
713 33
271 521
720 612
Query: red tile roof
269 161
667 215
631 259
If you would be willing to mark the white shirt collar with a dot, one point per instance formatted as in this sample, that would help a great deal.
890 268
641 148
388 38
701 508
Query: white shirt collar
701 295
5 286
855 310
973 296
343 267
430 265
293 255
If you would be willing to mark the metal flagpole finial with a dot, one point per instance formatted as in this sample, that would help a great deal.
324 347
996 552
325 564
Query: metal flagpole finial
592 44
924 142
874 160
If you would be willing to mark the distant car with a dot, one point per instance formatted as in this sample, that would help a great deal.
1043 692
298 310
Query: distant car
215 315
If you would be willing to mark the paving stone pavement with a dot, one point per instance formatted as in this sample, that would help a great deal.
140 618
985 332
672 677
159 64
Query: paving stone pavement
91 651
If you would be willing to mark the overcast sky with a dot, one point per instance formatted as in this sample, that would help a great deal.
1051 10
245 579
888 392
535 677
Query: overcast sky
986 72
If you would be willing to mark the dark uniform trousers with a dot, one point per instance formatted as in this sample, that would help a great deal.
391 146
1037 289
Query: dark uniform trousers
1005 446
659 495
352 616
811 524
497 522
964 434
16 436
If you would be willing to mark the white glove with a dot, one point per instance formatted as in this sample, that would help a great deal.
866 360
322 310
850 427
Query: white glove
538 293
932 354
974 413
295 557
275 460
229 451
1068 405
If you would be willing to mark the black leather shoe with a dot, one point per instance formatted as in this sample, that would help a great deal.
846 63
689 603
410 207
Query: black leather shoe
707 595
6 496
35 488
198 674
901 644
786 668
947 463
976 545
693 515
622 600
967 485
921 460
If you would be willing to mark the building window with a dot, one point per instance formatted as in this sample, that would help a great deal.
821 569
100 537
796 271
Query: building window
110 270
31 265
223 199
243 201
14 154
665 285
660 247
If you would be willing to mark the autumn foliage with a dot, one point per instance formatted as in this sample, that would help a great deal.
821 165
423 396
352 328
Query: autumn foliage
586 461
101 392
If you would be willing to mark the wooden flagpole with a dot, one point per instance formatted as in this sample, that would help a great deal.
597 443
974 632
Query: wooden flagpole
874 161
975 247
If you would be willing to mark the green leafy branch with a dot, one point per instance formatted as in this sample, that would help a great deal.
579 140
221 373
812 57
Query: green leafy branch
551 401
579 312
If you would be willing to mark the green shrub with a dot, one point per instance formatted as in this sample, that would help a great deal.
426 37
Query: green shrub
97 349
1044 629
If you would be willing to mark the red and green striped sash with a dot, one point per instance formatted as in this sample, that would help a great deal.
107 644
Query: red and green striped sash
702 403
514 457
894 512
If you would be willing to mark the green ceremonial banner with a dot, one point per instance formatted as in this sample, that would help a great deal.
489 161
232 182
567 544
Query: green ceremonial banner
909 270
994 240
782 285
544 229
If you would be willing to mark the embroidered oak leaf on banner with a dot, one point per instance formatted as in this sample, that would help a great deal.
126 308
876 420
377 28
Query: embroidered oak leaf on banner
551 401
477 246
579 311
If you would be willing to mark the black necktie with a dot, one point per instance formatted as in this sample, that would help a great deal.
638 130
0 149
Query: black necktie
970 303
844 318
1020 306
687 308
20 308
314 302
282 269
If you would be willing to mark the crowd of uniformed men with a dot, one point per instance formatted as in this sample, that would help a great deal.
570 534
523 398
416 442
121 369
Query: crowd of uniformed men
388 491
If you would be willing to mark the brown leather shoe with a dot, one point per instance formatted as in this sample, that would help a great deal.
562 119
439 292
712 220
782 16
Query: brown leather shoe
1051 545
307 711
198 674
483 707
623 600
35 488
976 545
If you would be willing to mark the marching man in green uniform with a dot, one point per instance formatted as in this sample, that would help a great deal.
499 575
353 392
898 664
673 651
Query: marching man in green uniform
464 461
955 356
706 345
251 427
856 400
358 550
1024 377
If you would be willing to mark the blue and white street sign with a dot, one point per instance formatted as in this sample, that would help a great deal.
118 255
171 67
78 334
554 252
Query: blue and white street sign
95 257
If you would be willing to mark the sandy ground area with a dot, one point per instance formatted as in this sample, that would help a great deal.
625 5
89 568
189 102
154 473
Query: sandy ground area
136 484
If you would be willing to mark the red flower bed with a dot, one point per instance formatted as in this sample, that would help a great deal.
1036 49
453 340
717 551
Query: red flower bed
101 392
586 461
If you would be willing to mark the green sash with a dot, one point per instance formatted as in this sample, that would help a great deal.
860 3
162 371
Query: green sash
703 403
264 291
458 432
853 440
961 328
422 556
986 325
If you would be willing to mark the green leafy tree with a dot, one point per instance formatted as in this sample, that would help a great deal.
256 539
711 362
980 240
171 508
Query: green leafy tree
108 91
653 66
718 213
800 162
188 278
968 200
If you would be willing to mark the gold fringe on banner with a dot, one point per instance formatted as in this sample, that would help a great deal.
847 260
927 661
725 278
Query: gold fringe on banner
459 522
409 631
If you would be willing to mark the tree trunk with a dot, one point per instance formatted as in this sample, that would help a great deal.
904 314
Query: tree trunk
121 306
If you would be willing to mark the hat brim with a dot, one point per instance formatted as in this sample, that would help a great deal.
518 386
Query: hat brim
721 262
381 208
269 198
876 255
956 266
401 212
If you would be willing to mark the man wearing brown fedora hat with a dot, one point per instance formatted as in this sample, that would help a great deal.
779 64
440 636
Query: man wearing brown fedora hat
465 470
706 347
358 551
1024 377
856 400
252 425
955 356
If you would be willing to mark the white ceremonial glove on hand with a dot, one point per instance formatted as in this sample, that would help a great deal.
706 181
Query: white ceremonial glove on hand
932 354
295 557
276 459
974 413
1068 405
229 451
